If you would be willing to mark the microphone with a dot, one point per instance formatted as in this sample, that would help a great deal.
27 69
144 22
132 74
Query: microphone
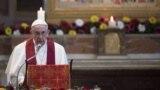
38 47
29 59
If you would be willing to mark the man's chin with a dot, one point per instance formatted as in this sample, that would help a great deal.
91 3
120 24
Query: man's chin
41 43
38 42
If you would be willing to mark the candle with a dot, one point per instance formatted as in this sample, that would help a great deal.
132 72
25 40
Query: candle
112 22
41 14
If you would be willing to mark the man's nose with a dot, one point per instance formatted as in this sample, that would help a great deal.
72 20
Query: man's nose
40 35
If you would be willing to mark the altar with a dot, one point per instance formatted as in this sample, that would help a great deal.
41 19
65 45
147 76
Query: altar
138 67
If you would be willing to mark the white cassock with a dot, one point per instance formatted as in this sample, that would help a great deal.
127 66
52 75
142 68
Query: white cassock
18 58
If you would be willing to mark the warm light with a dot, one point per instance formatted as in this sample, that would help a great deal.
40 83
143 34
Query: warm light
111 18
112 22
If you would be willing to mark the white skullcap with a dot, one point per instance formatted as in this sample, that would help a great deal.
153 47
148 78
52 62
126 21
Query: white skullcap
38 21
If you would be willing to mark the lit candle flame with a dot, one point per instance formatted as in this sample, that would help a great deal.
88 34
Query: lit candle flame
112 22
40 8
111 18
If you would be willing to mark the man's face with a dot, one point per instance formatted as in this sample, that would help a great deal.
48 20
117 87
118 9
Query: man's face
40 33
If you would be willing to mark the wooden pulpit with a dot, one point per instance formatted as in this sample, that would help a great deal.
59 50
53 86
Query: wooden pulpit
55 77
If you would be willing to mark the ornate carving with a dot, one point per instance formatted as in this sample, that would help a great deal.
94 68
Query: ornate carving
111 42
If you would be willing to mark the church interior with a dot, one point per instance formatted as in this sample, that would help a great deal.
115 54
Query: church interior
110 44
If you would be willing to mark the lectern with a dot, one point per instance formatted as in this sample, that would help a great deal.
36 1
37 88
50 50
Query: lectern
55 77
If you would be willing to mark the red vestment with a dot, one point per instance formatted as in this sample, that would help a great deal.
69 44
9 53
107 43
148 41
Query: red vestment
30 51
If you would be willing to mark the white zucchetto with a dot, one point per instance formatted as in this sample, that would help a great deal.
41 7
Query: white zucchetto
38 21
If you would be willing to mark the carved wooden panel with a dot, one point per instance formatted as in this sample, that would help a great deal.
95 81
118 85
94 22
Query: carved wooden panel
111 42
64 10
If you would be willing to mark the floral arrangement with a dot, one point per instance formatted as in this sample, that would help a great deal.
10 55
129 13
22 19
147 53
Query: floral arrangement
79 26
17 29
127 24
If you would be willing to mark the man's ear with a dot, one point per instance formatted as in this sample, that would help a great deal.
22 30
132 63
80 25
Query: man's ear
48 33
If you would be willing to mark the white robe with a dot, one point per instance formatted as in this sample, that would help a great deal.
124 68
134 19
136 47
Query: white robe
18 58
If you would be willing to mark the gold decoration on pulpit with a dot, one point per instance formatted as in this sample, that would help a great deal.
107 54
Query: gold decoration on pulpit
112 43
57 81
49 72
50 76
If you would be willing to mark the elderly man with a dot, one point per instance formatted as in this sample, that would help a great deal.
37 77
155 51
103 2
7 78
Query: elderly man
38 50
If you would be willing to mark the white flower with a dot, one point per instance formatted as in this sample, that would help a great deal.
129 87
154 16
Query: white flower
141 28
59 32
17 32
120 24
93 30
79 22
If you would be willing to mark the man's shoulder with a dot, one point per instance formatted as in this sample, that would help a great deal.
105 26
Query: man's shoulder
58 45
20 45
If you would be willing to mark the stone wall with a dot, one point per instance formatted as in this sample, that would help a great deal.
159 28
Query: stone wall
143 43
88 44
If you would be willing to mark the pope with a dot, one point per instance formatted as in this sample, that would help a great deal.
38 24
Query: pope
37 50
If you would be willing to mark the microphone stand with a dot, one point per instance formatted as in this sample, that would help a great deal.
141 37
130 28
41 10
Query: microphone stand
17 85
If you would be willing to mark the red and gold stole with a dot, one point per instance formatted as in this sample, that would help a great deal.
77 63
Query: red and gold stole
30 51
